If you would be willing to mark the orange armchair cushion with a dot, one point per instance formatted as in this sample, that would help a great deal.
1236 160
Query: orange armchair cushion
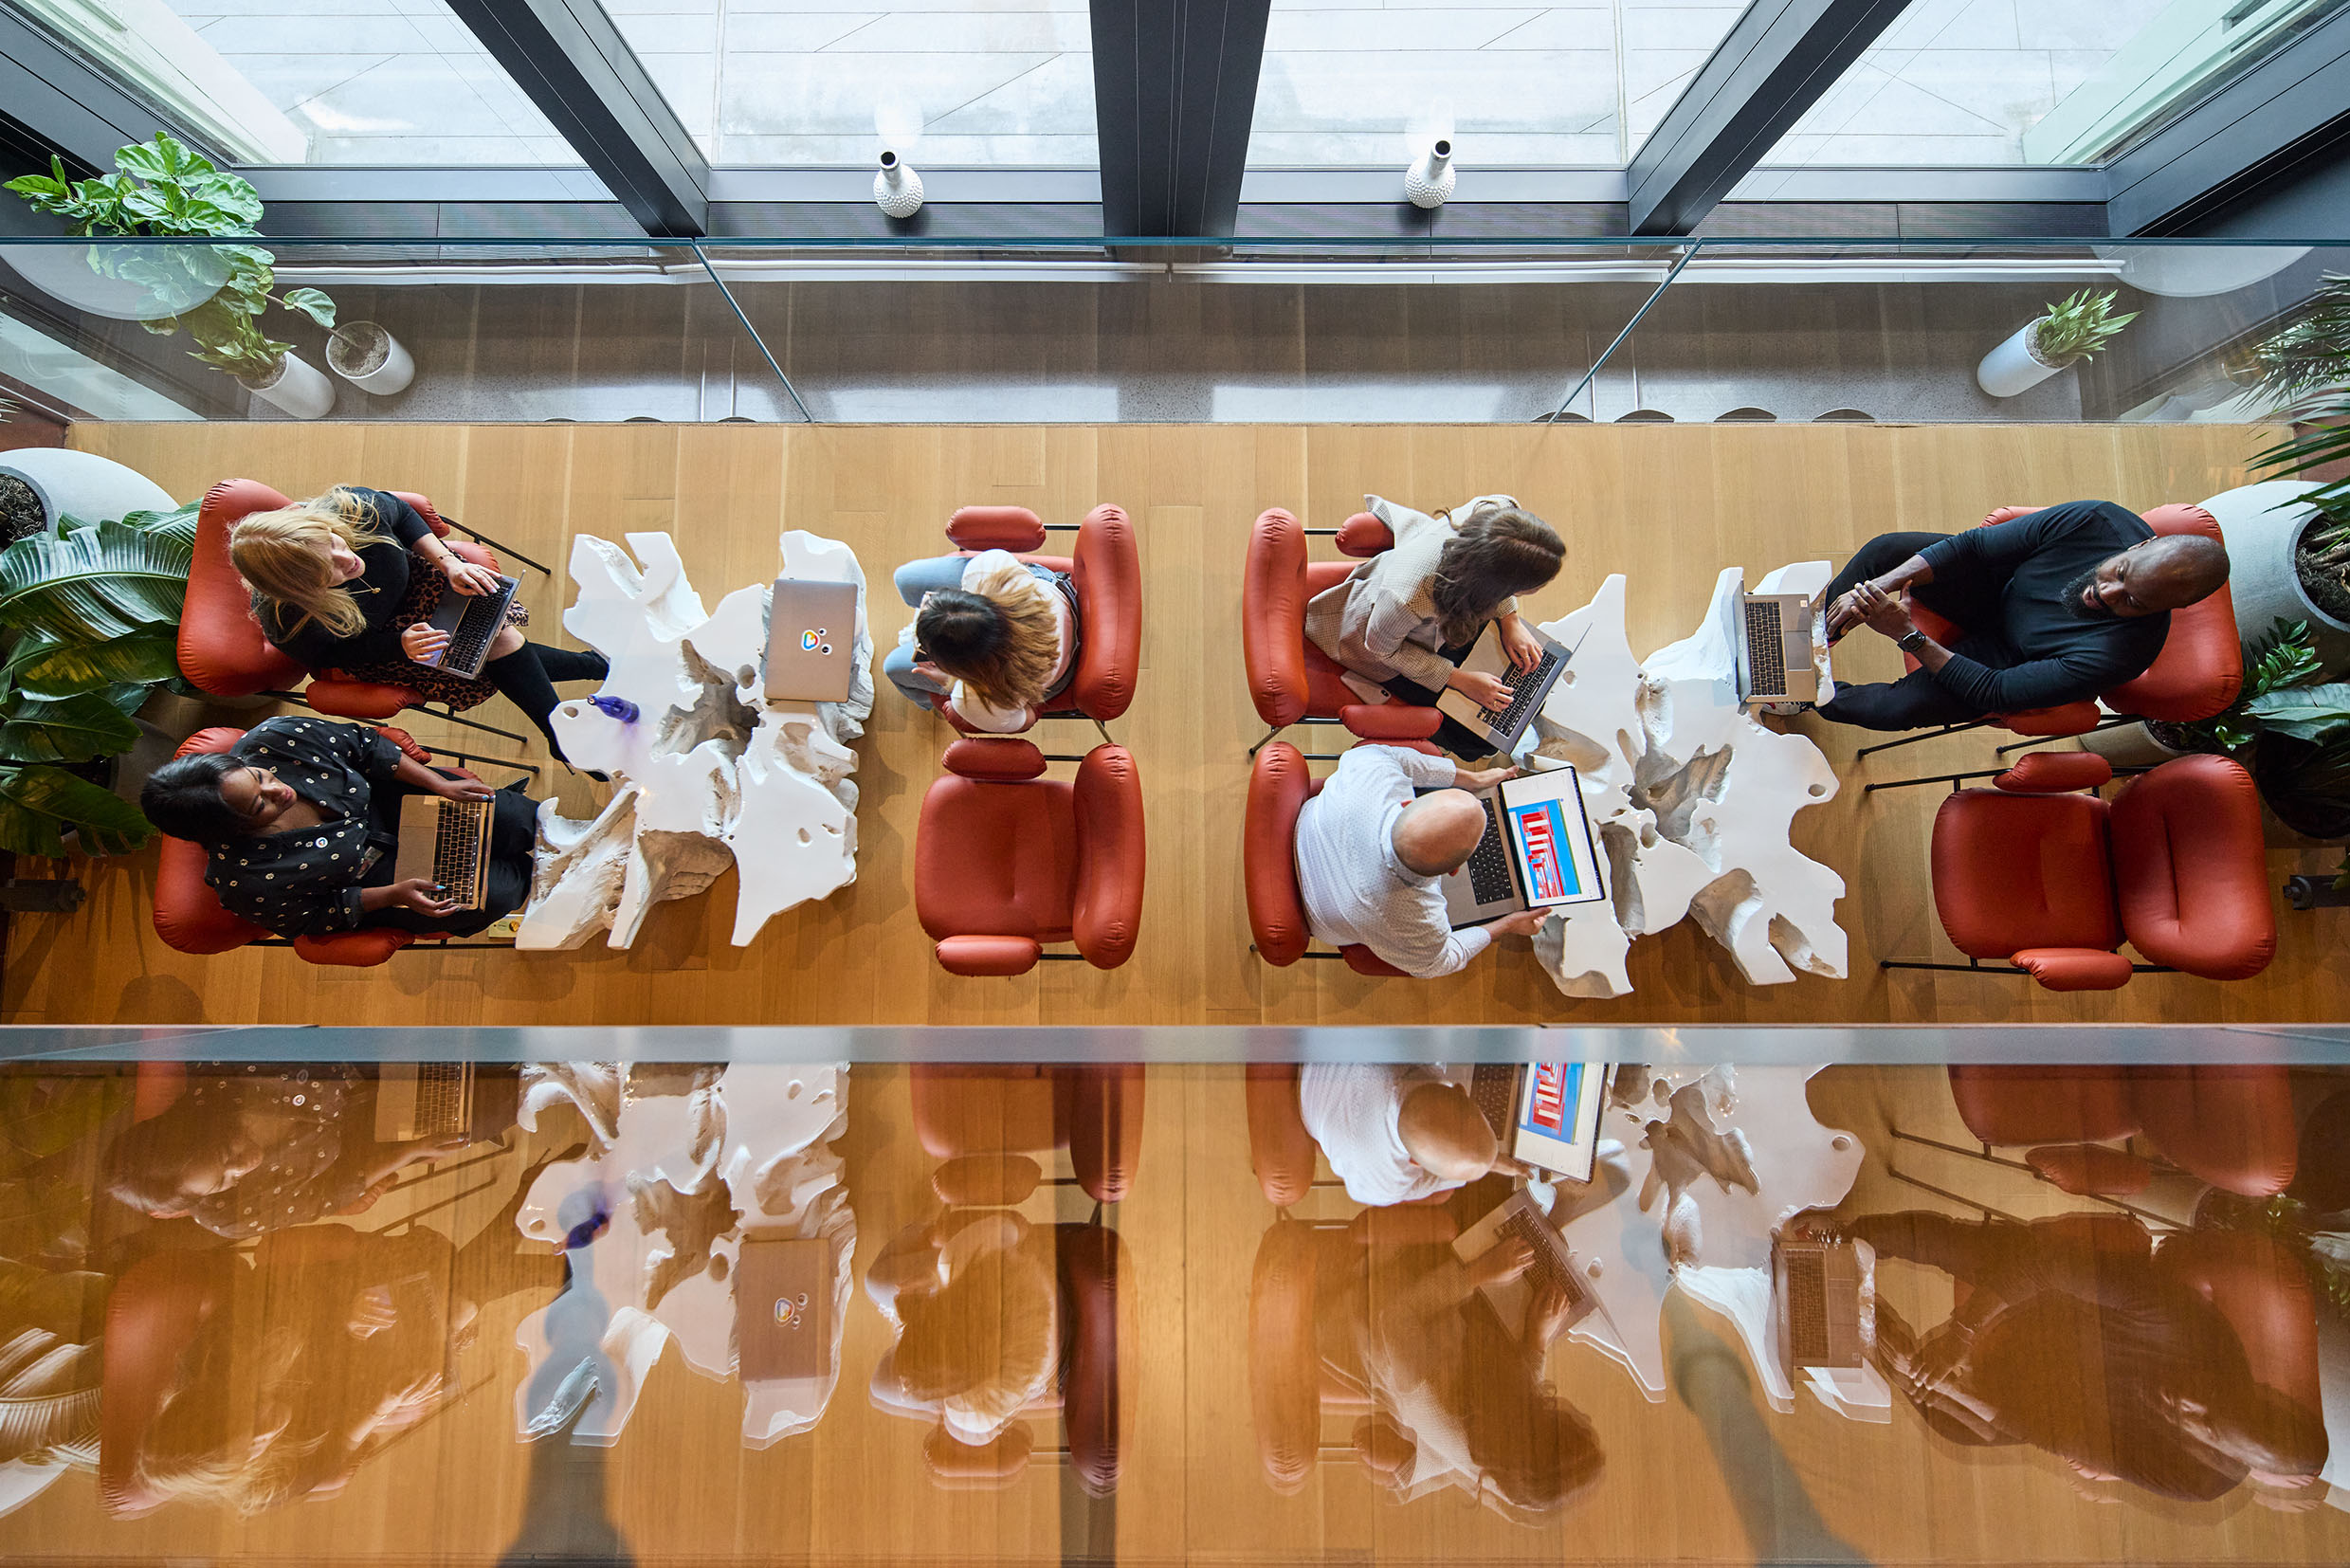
1279 786
1107 574
1106 903
996 859
2193 870
2201 666
221 648
2036 1104
2228 1124
1012 528
2014 872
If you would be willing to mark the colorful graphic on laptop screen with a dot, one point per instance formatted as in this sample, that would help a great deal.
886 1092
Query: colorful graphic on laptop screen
1550 865
1551 1105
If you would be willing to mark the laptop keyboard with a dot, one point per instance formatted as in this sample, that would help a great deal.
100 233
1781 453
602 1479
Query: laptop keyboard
1766 657
1494 1088
1806 1308
1551 1263
1489 866
457 850
1522 684
483 618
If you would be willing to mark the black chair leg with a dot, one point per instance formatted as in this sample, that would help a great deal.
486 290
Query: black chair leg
1917 736
479 537
1951 779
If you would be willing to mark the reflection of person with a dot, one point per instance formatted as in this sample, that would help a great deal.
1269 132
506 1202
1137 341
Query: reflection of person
1395 1133
334 585
2054 608
996 636
246 1150
1404 619
1458 1400
301 817
978 1304
1369 857
2087 1352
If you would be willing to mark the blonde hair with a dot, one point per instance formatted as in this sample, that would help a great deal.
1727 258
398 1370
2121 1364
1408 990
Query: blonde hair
283 556
986 1344
200 1450
999 635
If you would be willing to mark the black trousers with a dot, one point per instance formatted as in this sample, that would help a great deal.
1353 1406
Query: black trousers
1451 735
513 837
1917 699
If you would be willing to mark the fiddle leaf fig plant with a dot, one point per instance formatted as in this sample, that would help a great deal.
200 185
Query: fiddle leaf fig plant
164 189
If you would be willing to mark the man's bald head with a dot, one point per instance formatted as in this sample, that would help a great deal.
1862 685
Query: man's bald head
2167 573
1438 832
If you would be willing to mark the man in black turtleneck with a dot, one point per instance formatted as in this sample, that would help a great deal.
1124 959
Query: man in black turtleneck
2053 607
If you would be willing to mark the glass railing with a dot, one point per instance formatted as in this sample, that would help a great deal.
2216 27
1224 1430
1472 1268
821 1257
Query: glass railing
1256 330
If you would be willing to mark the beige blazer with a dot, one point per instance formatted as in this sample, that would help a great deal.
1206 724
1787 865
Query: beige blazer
1381 621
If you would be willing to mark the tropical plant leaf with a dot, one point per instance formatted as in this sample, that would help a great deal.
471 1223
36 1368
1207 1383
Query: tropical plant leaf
92 583
64 729
42 665
312 302
164 158
2315 714
38 804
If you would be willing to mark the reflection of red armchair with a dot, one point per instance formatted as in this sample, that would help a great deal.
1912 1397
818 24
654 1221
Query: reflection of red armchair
1006 861
1093 1110
2196 675
1290 678
2226 1123
221 646
2051 880
1279 786
188 915
1107 574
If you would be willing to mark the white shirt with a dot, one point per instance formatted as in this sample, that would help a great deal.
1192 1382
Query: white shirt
1355 1112
1355 889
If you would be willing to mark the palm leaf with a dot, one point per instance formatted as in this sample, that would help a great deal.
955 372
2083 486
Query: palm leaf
42 665
65 729
94 582
37 803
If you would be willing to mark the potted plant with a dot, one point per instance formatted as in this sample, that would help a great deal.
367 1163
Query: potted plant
89 617
366 355
2073 330
162 190
40 485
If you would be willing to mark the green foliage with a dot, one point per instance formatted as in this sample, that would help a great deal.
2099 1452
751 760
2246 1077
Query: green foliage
43 664
2079 327
2313 352
162 190
38 804
68 729
92 582
2282 656
2319 715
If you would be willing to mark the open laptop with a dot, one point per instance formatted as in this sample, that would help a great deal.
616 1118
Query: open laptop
446 842
1818 1302
1537 852
812 633
1545 1113
1523 1218
1527 688
1776 662
435 1099
472 622
783 1308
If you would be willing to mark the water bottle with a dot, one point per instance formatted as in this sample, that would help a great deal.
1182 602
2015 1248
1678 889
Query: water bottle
615 707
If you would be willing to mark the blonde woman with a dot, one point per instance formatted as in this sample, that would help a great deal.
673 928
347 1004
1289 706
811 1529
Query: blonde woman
336 586
996 636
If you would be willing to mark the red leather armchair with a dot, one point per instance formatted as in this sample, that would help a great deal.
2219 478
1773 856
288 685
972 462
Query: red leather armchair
1279 786
1006 861
188 915
221 646
2227 1123
1289 678
1107 574
2196 675
2052 879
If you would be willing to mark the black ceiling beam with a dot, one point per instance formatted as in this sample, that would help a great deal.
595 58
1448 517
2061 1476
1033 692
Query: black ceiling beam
2287 112
1175 86
1779 58
573 62
51 104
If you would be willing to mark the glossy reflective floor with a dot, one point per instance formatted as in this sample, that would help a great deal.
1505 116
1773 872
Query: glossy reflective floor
595 1312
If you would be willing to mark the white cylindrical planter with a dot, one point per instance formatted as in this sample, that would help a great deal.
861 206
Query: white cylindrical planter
368 356
82 486
897 190
2129 746
1429 181
2015 365
299 388
2262 523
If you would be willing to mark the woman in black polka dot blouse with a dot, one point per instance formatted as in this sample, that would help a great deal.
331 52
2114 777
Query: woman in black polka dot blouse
302 815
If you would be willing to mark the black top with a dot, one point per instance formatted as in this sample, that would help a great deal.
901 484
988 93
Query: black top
2045 650
378 592
307 883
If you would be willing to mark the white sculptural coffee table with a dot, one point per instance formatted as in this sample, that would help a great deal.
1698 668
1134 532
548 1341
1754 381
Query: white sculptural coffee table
707 772
1691 799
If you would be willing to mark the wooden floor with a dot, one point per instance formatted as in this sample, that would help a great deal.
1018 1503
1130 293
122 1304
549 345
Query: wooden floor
1668 505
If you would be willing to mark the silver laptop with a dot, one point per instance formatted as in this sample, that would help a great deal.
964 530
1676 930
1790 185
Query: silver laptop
812 633
1821 1309
1775 654
1527 688
1523 1218
1544 1113
1537 852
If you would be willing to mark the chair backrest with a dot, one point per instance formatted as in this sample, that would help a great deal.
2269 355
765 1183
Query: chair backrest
1094 1110
2264 1293
1272 618
2191 868
1105 913
188 915
1107 574
2230 1123
2201 666
221 648
1279 786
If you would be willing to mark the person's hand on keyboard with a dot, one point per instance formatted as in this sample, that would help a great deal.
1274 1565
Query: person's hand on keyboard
1484 690
462 789
469 579
1521 643
424 896
424 643
1505 1261
1547 1312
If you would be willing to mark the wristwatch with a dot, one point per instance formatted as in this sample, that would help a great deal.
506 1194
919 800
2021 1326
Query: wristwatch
1910 641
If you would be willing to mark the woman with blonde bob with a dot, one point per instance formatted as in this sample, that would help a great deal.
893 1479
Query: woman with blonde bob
334 587
994 636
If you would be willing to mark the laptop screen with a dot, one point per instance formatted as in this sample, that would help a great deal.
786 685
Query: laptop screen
1550 838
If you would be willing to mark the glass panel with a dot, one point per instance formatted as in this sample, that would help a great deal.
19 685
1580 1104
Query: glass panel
268 82
1347 83
788 82
1991 81
350 1310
